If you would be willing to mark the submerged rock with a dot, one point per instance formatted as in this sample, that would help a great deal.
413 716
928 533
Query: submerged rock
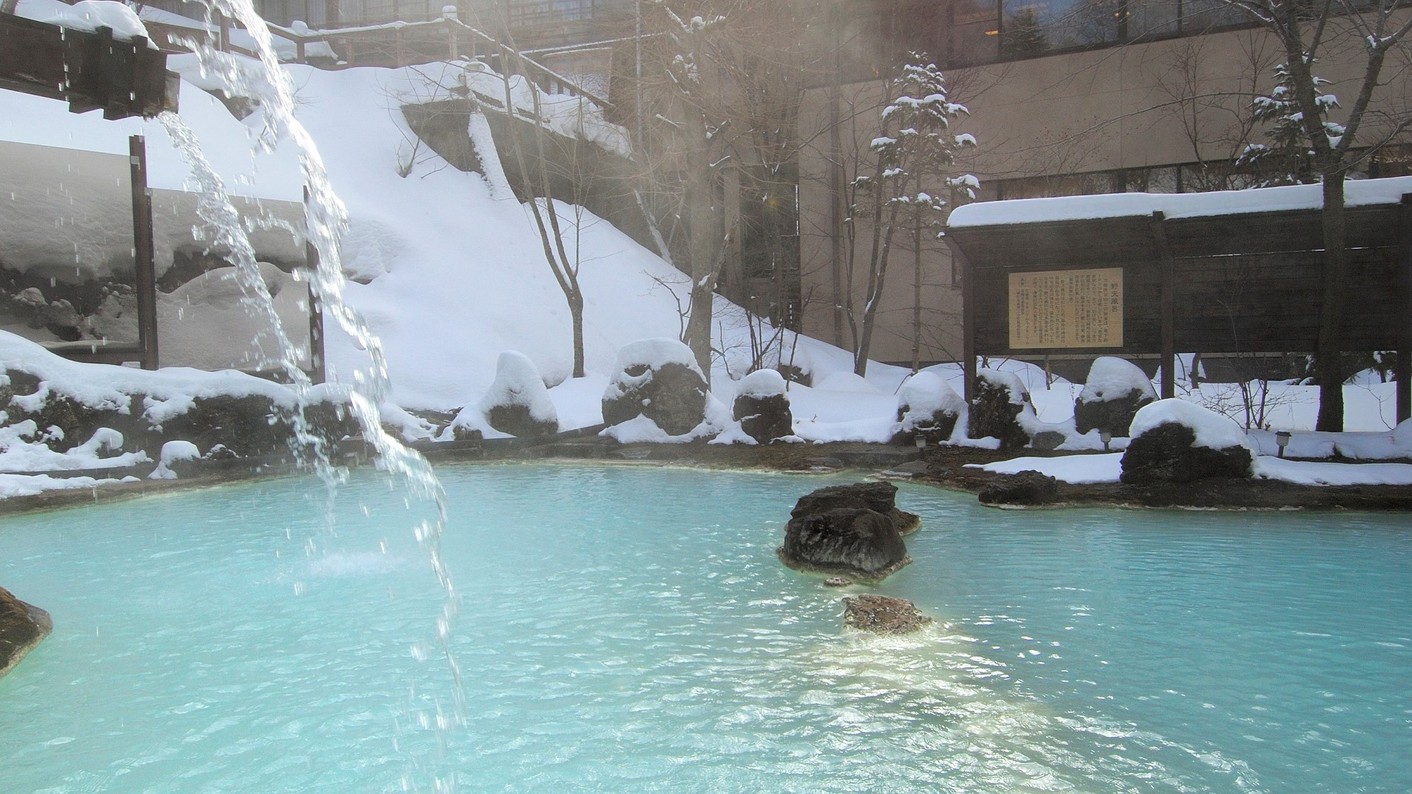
882 614
22 627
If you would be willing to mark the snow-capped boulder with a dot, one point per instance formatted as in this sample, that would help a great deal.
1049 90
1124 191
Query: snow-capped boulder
880 614
1178 441
1001 408
880 497
762 406
174 455
517 401
22 627
927 406
657 379
1115 390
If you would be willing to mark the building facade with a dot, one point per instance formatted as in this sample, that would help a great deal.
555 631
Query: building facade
1064 99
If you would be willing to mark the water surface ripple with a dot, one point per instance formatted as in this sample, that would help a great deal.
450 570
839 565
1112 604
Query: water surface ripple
629 628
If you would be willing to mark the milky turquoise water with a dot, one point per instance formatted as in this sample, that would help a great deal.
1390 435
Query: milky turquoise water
629 628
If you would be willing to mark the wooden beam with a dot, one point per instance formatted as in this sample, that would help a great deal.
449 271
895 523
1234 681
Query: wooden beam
143 253
968 317
1403 258
1162 252
90 71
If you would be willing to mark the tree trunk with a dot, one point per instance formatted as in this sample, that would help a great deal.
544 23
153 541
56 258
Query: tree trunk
917 291
1328 357
703 251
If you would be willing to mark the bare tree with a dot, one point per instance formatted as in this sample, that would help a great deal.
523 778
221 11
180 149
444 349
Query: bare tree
1306 30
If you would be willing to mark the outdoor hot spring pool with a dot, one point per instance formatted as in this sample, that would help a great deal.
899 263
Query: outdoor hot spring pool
629 628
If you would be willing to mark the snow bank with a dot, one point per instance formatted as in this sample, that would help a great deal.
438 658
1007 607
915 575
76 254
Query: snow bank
1075 469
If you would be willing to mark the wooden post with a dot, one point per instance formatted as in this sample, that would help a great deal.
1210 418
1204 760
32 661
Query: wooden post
318 372
1163 252
142 244
1403 371
968 317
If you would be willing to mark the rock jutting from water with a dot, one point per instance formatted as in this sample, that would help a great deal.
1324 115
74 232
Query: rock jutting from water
22 627
882 614
848 530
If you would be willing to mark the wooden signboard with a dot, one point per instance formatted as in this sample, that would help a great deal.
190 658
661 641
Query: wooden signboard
1066 309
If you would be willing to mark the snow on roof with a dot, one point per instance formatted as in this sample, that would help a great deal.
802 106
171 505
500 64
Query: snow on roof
1360 192
1212 429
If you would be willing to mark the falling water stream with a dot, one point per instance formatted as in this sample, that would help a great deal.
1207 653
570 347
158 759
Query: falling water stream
325 220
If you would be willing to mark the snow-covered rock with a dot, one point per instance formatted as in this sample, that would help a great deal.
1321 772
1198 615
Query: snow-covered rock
1001 409
657 379
518 402
1177 441
762 406
1115 390
928 406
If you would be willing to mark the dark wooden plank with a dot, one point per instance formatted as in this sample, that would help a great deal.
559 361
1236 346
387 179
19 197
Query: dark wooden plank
143 253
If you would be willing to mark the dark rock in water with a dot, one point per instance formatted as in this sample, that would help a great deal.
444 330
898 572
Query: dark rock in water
882 614
1169 453
880 497
1023 488
673 396
22 627
1000 399
837 581
764 417
849 541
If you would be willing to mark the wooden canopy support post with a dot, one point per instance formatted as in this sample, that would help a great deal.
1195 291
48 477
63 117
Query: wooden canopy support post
1163 254
318 370
1403 257
143 253
968 318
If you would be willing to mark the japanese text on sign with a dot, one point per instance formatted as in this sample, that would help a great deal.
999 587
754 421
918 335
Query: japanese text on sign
1066 309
